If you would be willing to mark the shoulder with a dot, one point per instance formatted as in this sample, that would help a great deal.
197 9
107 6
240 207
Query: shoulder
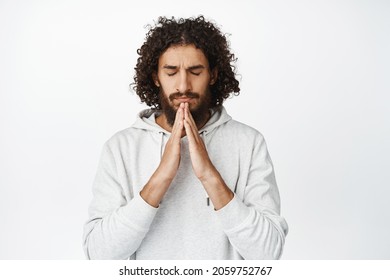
122 138
241 130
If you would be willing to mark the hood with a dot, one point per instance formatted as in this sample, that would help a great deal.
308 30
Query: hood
146 120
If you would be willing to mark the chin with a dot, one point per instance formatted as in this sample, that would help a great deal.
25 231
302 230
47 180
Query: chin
193 104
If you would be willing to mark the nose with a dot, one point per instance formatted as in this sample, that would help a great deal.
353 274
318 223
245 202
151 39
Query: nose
183 83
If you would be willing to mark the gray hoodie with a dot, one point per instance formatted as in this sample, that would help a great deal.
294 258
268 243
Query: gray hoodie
122 225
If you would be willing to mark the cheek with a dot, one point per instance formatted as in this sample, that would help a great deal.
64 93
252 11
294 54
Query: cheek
164 84
168 86
202 87
165 79
164 94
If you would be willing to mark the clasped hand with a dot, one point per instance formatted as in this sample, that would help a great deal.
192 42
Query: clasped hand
203 168
201 163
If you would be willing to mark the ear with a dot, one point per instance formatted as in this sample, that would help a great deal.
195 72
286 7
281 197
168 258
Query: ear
214 76
155 79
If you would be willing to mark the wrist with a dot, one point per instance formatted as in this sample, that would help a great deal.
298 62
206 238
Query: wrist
161 178
219 193
155 189
211 174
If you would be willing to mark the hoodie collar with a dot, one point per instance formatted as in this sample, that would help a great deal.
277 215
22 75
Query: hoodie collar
146 119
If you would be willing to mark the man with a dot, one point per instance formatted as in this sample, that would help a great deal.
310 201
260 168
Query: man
185 181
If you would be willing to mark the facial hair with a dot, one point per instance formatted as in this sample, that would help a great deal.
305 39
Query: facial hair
199 114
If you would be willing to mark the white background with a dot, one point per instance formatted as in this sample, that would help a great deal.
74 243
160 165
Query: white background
314 81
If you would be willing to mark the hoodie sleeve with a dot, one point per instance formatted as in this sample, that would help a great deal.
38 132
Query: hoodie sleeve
253 223
116 227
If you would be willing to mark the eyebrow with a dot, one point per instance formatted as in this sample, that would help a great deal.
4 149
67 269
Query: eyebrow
172 67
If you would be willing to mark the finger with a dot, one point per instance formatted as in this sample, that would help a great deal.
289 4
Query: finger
178 125
179 116
189 132
188 115
195 132
191 122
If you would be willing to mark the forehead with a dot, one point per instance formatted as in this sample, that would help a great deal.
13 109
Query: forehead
183 55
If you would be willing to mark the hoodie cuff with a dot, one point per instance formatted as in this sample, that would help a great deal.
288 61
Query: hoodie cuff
139 213
233 214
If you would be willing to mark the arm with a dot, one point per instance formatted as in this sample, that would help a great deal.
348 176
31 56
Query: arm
253 223
254 226
116 227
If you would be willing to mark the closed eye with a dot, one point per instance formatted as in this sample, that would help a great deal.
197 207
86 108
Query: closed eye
171 74
195 73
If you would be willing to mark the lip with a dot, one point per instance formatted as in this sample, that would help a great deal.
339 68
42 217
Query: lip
184 99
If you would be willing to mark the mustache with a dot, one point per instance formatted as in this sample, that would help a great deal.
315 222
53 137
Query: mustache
187 94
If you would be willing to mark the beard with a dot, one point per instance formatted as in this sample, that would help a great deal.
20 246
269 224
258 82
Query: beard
200 113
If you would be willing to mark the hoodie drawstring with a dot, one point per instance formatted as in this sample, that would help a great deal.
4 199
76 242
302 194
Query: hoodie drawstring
161 150
203 135
161 144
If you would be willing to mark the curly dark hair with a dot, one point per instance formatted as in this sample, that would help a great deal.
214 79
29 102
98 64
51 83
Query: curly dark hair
205 36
